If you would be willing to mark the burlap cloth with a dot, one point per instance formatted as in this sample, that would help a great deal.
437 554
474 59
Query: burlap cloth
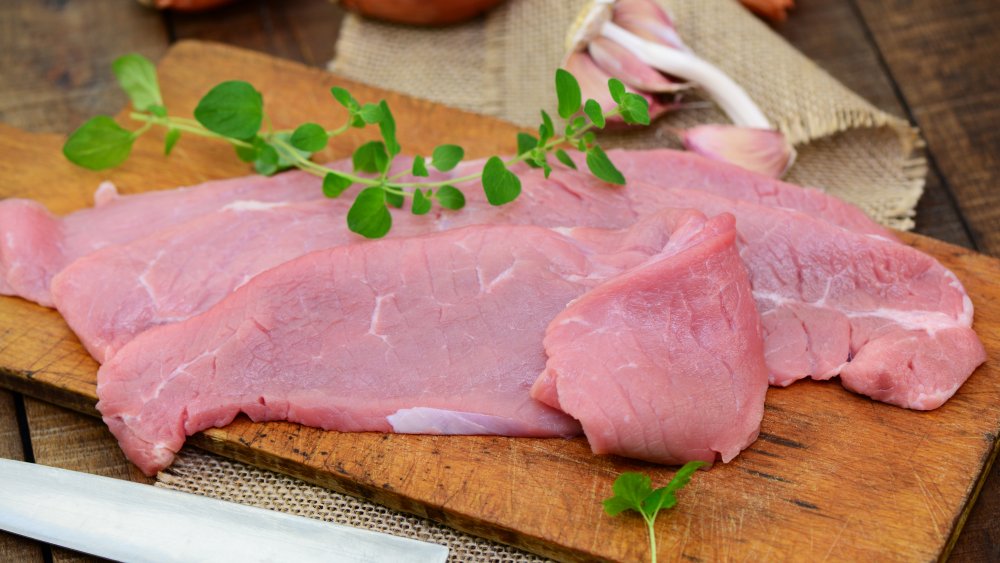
502 65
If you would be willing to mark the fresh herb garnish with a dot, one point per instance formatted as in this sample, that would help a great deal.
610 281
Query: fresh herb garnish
634 491
233 112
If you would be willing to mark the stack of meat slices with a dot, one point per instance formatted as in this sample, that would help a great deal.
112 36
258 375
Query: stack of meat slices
650 317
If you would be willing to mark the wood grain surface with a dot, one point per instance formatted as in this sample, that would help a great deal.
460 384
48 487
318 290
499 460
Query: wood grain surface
834 475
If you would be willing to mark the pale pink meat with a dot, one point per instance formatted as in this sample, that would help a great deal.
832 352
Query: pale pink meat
664 363
434 334
35 245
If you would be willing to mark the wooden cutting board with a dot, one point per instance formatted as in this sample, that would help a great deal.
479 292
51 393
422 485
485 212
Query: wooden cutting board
833 475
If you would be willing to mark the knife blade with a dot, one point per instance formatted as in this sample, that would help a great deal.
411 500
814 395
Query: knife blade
135 522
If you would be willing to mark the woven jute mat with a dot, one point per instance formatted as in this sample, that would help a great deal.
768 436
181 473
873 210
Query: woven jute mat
502 65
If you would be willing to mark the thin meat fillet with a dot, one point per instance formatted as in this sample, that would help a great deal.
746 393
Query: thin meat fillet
664 363
35 245
433 334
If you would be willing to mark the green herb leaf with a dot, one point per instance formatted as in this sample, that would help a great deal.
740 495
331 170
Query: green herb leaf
633 491
232 109
387 126
420 167
267 161
421 204
137 76
345 99
450 197
501 185
568 92
594 112
547 129
447 157
309 137
617 89
334 184
565 159
602 167
371 157
157 110
173 135
246 154
371 113
393 199
525 142
634 109
368 216
98 144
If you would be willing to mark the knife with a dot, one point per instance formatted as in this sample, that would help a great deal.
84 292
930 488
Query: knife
135 522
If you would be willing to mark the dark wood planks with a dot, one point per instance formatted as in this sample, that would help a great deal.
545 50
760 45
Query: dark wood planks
56 57
943 57
832 33
14 548
300 30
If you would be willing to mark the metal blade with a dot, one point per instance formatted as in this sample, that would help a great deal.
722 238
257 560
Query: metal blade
134 522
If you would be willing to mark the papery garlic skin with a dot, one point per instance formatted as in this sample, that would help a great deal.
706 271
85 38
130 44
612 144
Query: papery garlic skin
648 21
760 150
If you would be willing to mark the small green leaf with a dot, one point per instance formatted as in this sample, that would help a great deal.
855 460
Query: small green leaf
173 135
683 476
547 129
660 499
568 92
371 113
546 169
420 167
575 125
137 76
394 199
267 160
387 126
368 216
589 138
450 197
594 112
616 505
345 99
157 110
525 142
232 109
633 488
634 109
371 157
602 167
565 159
617 89
334 184
447 157
421 204
98 144
286 159
246 154
309 137
501 185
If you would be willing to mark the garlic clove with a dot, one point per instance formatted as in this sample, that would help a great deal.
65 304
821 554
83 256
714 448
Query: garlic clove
760 150
619 62
648 20
594 84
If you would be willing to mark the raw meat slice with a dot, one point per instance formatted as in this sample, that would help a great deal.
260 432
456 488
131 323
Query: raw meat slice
36 245
890 320
440 333
678 169
664 363
803 337
114 294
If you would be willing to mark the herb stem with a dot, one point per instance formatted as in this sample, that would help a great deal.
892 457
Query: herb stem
652 538
311 167
175 123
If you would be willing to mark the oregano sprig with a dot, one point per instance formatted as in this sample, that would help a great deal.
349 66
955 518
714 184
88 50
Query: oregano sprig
634 491
233 111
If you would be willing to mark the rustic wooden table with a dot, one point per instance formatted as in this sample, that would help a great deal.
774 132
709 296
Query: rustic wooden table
934 63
